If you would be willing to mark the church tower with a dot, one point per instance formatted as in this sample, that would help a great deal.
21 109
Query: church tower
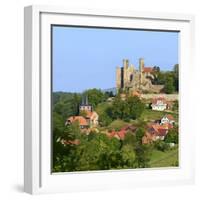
85 106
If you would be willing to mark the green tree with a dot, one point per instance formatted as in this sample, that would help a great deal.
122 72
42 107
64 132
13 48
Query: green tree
172 136
129 139
175 105
58 149
135 106
72 131
61 159
176 77
75 102
131 108
66 104
117 109
58 125
161 78
169 85
104 119
161 145
139 134
128 156
95 96
99 152
143 154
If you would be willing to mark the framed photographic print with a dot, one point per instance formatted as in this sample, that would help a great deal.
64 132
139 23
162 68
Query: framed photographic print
105 100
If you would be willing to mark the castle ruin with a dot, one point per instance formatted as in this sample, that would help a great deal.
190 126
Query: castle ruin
128 78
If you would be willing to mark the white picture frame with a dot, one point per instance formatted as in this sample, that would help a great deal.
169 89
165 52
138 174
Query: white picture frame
37 131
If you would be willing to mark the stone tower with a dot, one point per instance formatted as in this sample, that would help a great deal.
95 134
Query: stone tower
118 78
125 72
141 69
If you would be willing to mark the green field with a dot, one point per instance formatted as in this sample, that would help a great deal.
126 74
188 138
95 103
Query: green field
164 159
117 124
152 115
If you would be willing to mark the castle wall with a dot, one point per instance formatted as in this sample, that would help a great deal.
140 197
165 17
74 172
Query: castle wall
135 80
168 97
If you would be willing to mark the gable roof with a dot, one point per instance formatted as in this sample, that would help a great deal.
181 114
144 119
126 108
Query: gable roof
147 69
118 134
158 130
91 115
155 100
162 132
88 113
82 121
170 117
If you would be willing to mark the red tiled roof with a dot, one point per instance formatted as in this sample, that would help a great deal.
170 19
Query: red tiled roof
158 129
155 100
75 142
170 117
162 132
147 69
167 125
82 121
88 113
119 134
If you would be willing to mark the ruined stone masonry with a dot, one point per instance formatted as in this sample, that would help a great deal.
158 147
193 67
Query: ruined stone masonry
130 79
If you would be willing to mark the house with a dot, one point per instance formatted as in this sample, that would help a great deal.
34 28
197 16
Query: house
80 119
159 104
117 134
167 119
87 118
155 132
122 132
92 118
158 131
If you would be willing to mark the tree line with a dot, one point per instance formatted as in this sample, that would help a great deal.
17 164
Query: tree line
170 79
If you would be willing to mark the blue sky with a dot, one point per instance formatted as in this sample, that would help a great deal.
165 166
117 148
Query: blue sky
86 58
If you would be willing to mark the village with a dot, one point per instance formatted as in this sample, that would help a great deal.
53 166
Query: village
141 112
156 129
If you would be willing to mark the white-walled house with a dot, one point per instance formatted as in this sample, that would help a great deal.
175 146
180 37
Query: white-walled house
159 104
167 119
